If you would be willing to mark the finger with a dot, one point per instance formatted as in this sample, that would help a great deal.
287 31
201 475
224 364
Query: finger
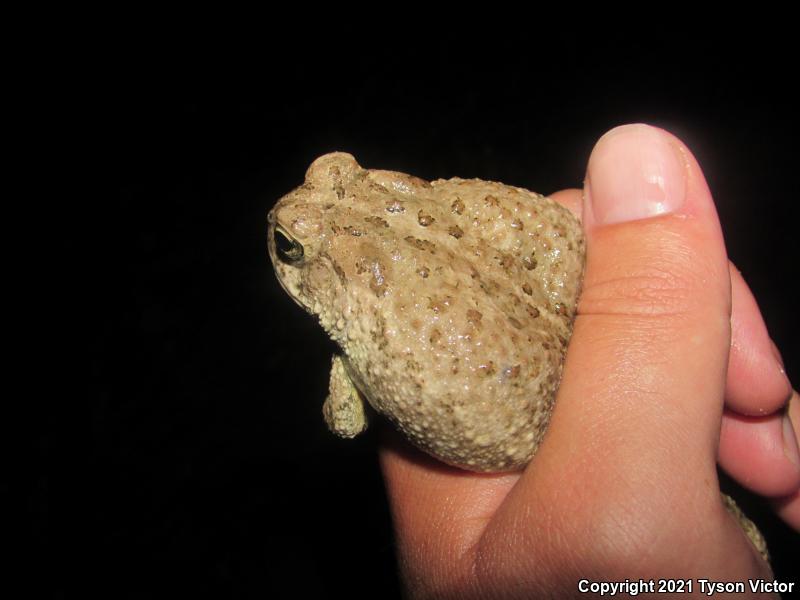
570 198
761 453
788 507
637 419
757 382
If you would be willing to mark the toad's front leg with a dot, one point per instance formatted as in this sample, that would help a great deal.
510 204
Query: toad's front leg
344 409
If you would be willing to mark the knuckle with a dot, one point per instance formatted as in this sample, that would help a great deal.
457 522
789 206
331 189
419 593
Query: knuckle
647 290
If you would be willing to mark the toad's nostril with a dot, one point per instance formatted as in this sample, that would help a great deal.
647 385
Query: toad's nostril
289 250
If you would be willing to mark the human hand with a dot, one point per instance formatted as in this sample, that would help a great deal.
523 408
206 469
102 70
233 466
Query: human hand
670 369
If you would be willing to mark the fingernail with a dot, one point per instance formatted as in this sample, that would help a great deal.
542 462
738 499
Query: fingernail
790 448
635 172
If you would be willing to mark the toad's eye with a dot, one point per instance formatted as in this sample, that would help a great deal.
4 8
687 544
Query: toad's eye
289 250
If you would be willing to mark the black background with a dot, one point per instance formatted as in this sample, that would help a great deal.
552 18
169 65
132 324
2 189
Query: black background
210 471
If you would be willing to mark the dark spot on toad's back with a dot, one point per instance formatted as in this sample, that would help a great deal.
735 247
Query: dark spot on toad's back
529 262
339 272
514 322
420 244
377 221
456 231
474 317
424 218
339 189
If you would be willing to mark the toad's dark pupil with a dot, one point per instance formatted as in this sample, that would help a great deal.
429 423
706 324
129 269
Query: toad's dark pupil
288 249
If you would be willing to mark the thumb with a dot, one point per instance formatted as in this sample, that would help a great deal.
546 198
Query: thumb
628 463
656 303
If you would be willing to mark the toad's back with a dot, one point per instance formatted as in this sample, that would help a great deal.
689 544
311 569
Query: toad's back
452 301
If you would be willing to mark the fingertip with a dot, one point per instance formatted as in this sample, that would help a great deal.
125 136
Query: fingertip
788 509
571 198
757 384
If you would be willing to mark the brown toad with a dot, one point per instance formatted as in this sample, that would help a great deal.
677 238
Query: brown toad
452 302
